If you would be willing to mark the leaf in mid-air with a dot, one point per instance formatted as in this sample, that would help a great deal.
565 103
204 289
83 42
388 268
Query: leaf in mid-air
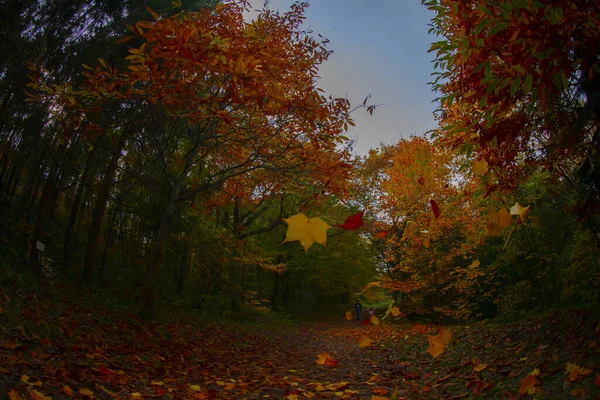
374 320
395 311
327 360
382 234
352 222
498 220
439 341
349 315
480 167
307 231
435 209
364 341
519 210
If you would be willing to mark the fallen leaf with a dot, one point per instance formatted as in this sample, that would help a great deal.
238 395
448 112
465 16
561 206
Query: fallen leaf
67 390
364 341
13 395
327 360
575 372
528 384
86 392
374 320
35 395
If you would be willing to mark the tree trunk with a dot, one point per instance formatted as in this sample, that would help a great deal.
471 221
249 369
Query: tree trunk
45 206
148 301
183 270
234 269
68 244
100 208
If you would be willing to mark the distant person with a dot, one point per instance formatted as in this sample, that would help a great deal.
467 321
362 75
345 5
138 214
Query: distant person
357 309
371 312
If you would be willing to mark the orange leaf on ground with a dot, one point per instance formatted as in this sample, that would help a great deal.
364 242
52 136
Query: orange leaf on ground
327 360
529 382
374 320
576 372
13 395
439 341
35 395
364 341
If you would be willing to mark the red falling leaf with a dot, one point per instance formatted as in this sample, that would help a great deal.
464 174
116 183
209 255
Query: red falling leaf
435 209
352 222
382 234
421 181
365 322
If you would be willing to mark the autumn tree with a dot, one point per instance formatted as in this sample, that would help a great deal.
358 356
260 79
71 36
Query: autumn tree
227 97
519 89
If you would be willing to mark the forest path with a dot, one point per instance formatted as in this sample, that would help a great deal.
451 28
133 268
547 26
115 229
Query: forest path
61 349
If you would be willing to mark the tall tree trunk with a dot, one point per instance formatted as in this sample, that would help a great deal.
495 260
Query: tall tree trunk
148 301
108 239
100 208
68 243
45 205
182 274
234 268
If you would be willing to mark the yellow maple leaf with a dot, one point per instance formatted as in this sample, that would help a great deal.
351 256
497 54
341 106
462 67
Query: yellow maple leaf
519 210
307 231
374 320
349 315
498 220
575 372
364 341
395 311
480 167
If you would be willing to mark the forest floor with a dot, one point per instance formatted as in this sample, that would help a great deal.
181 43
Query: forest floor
53 347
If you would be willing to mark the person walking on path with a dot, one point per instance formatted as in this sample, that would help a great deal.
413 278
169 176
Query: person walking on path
357 309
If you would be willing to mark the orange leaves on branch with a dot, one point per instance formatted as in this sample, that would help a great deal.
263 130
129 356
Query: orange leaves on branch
439 341
529 383
326 360
575 372
307 231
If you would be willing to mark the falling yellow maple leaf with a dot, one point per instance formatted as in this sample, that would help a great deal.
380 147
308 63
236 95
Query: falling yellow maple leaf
478 366
519 210
498 220
395 311
307 231
480 167
374 320
349 315
364 341
504 218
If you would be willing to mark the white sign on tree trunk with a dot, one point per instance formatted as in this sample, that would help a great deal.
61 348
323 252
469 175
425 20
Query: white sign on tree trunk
40 246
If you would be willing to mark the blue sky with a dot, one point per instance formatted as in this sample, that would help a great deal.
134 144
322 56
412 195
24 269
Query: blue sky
380 48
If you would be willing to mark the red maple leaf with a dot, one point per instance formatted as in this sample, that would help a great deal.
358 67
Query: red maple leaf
352 222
